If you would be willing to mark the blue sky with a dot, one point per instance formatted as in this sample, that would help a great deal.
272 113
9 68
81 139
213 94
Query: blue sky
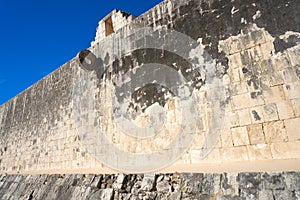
36 37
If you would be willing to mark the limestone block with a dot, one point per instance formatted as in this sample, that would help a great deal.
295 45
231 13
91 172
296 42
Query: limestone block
270 112
258 37
238 88
226 139
274 94
259 152
282 62
274 132
284 150
212 157
285 109
242 101
234 74
234 61
234 45
276 78
234 154
290 75
292 127
296 106
233 118
267 49
240 136
292 90
244 117
256 134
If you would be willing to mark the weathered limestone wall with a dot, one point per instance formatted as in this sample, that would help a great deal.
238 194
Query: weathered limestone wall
239 60
152 186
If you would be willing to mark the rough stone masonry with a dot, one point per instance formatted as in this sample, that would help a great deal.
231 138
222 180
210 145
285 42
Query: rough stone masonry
206 85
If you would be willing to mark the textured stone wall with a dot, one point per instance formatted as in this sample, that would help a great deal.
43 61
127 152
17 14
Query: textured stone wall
152 186
237 62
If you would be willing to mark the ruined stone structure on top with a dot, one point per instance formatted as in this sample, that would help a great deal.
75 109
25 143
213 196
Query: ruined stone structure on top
189 86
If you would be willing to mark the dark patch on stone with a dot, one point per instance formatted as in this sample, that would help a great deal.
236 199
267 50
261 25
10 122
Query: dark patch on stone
256 116
254 95
245 70
288 87
298 71
90 62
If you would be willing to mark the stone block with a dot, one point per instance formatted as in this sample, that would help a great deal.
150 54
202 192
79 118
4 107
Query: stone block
256 134
259 152
233 118
285 150
274 94
244 117
285 109
282 62
226 139
296 106
234 154
274 132
292 90
292 127
290 75
234 74
242 101
239 136
235 61
270 112
238 88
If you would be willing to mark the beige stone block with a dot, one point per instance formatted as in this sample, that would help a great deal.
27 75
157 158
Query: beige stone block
240 136
234 45
233 118
285 109
242 101
273 94
257 37
238 88
292 127
292 90
226 139
274 132
256 53
270 112
282 62
256 134
259 152
235 60
290 75
284 150
267 49
244 117
234 154
234 74
296 106
210 156
257 114
276 78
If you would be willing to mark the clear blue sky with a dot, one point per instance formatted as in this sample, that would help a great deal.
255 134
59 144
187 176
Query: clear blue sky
36 36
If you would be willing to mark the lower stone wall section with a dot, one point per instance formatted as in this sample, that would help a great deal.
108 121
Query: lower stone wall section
285 185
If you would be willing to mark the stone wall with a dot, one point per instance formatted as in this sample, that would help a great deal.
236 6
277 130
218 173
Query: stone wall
152 186
228 101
